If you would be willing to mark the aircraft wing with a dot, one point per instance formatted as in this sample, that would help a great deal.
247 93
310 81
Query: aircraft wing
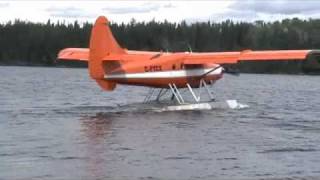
80 54
274 55
248 55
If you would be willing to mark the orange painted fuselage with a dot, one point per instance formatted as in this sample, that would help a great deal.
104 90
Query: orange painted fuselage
157 69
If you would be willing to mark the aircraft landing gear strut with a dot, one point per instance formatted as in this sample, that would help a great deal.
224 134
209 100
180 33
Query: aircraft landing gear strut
177 93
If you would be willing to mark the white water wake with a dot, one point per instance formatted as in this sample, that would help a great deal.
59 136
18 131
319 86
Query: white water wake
234 104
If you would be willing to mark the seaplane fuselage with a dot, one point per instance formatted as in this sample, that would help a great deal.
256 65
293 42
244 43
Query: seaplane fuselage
158 69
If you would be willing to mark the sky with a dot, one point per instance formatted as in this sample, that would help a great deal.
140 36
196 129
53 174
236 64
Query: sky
173 11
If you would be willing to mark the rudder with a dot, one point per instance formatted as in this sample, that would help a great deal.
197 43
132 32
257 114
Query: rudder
102 44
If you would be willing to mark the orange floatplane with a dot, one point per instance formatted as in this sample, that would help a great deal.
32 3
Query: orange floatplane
109 64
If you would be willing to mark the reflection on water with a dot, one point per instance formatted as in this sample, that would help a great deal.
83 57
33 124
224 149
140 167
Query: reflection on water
57 124
96 130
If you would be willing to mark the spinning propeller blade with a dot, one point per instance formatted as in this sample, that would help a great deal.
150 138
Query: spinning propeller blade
227 70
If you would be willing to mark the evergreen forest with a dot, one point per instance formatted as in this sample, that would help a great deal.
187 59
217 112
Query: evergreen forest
27 43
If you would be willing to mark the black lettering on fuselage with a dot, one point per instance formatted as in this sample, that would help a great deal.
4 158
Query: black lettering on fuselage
152 68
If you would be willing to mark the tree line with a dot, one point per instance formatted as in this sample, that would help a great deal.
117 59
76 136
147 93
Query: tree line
27 43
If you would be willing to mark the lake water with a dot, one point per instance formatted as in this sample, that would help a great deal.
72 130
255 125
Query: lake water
55 123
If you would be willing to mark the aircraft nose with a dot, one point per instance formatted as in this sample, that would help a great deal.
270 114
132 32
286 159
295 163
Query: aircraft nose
312 63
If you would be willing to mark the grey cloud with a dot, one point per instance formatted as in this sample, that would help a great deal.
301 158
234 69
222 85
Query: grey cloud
127 10
169 5
250 10
237 15
4 5
144 8
234 15
69 12
285 7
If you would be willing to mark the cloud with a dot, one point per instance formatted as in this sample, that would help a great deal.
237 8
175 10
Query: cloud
4 5
69 12
237 15
169 5
143 8
250 10
129 10
286 7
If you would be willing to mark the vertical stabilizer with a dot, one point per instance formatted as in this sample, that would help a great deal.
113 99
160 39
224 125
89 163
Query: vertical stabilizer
102 43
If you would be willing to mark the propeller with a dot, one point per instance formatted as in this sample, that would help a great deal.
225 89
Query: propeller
227 70
231 71
215 68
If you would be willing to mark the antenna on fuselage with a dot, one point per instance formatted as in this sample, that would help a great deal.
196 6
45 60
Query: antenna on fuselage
189 47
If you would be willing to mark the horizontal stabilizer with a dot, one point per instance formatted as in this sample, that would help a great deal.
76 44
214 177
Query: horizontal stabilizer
80 54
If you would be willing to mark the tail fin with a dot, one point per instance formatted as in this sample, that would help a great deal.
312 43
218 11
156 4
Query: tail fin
102 43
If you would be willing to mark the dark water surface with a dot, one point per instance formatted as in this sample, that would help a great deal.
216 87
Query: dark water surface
57 124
